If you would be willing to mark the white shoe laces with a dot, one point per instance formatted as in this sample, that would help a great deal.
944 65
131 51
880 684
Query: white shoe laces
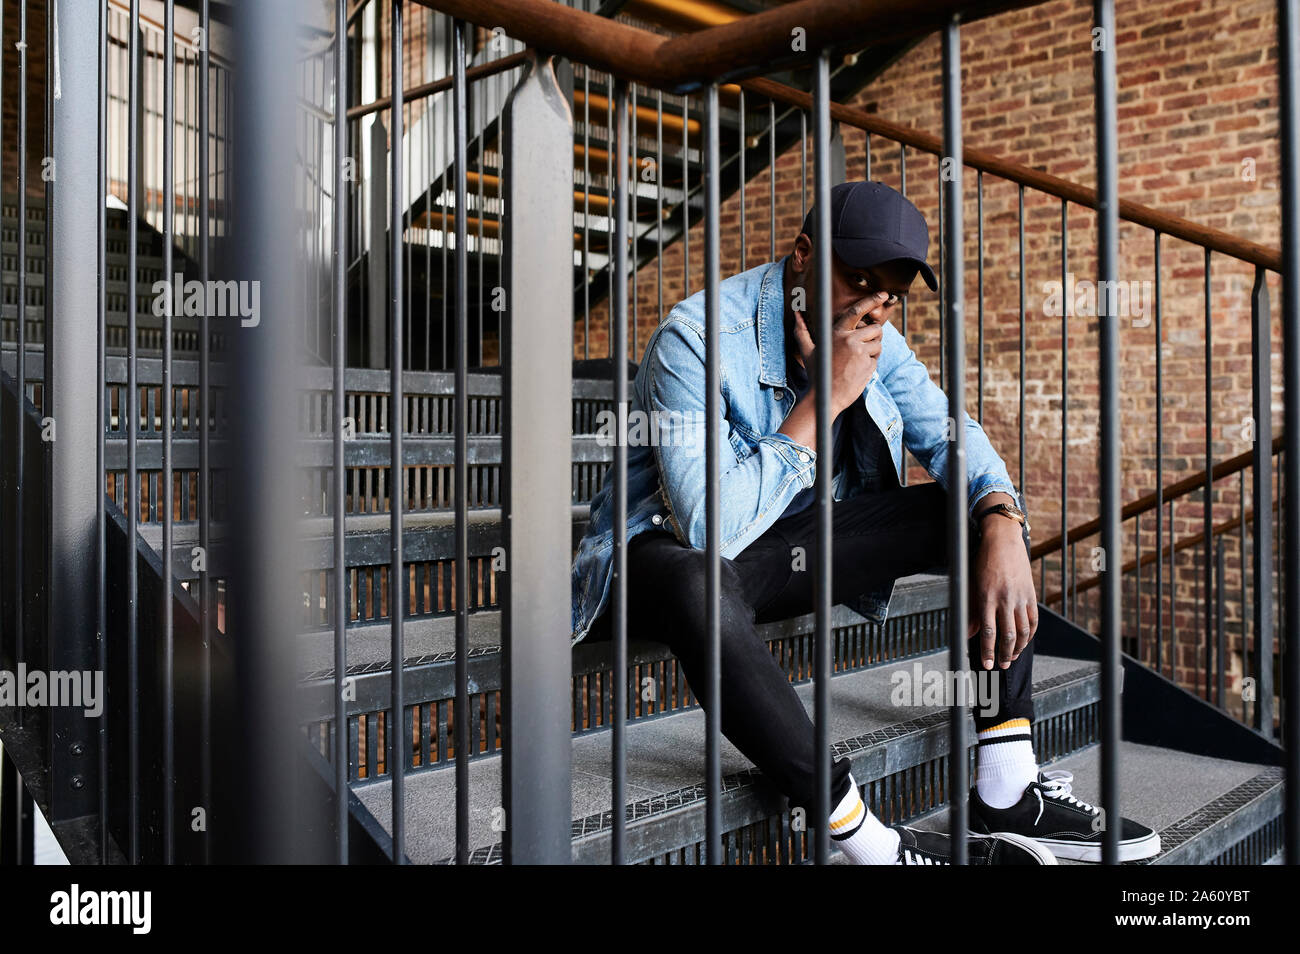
908 857
1056 784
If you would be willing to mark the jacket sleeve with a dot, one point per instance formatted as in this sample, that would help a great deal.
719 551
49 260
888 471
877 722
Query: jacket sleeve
754 491
924 408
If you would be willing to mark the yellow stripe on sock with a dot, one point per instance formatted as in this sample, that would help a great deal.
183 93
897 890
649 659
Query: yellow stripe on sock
849 819
1021 723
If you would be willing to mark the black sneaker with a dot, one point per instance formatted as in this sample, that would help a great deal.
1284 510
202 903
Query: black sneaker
918 847
1055 818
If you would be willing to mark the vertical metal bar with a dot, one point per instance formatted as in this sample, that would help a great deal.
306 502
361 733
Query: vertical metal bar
1020 276
713 477
1207 552
71 357
635 154
1289 83
1173 601
447 121
744 147
902 187
481 158
430 18
168 61
101 333
979 244
206 594
132 425
1067 296
1137 603
825 474
1107 273
803 164
618 582
586 211
958 508
460 479
1244 594
686 197
338 321
659 204
20 365
264 424
1160 469
943 299
771 180
1261 489
1220 636
396 425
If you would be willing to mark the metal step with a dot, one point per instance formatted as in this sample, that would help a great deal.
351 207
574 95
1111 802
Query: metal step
1207 810
899 755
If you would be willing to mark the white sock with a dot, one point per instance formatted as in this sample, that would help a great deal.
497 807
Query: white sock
1005 763
859 834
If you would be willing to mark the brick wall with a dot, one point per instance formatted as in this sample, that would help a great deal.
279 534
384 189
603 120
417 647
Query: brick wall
1197 96
35 95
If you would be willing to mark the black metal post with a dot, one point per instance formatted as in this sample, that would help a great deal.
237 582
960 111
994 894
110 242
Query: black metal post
71 346
1261 490
460 479
1288 33
958 518
1109 371
713 479
168 610
338 322
397 740
618 367
1160 470
825 471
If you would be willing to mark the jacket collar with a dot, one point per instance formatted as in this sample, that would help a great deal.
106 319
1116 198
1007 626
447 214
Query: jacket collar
771 326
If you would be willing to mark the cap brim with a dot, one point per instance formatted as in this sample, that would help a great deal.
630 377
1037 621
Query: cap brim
864 253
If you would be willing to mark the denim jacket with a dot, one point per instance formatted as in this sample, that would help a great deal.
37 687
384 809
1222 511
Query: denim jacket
761 469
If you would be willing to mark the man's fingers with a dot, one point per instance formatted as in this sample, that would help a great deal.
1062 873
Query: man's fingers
801 335
1023 631
1031 611
988 635
849 318
1007 633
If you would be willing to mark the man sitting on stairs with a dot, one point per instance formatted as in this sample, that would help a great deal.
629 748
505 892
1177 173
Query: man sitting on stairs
882 399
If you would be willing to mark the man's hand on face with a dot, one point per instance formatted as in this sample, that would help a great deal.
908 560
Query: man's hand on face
855 349
1004 606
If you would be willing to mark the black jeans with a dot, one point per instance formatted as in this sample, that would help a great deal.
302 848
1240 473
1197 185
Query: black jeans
878 537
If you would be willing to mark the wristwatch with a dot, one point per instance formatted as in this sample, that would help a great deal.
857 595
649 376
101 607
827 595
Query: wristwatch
1006 509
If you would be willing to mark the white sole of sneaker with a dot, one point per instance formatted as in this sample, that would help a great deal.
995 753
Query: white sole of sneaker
1135 850
1031 845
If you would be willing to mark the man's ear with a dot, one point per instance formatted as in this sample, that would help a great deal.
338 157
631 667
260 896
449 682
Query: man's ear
801 254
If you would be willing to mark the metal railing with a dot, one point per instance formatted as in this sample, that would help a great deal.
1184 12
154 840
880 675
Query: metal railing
393 236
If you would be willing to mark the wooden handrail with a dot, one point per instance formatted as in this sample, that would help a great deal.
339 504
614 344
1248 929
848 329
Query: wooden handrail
761 42
1142 505
1247 251
756 44
1094 581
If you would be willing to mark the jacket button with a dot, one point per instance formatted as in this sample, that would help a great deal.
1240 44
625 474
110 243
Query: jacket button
656 520
779 394
803 458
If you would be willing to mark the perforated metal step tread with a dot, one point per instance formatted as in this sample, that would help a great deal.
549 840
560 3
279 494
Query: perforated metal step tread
1202 807
666 759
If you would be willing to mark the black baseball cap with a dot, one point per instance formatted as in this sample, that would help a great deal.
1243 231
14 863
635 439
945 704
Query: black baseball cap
872 223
